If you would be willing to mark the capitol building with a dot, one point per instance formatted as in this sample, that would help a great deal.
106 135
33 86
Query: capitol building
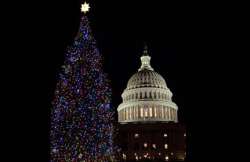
147 97
148 128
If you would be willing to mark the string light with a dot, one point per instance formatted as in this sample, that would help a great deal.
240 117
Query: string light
82 115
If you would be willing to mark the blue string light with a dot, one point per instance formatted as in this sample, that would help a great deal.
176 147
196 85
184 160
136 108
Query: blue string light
82 116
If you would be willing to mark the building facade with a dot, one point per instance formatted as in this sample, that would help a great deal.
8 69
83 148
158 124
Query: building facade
147 117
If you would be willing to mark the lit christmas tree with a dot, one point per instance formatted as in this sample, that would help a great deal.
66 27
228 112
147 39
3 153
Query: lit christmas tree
81 115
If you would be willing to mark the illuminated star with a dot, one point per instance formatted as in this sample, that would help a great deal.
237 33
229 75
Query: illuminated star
85 7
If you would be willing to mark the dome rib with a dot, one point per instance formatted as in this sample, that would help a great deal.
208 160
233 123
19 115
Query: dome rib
146 78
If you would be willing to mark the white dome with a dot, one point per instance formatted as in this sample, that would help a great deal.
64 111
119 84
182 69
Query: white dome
147 97
146 78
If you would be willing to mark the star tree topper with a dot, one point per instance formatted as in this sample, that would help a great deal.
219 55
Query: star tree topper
85 7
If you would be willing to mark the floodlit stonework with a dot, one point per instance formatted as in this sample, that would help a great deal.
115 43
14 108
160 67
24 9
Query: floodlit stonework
147 97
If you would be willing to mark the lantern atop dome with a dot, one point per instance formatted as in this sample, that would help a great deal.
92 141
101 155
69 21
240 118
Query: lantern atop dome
145 60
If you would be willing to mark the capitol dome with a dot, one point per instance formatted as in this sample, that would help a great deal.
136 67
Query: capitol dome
147 97
146 78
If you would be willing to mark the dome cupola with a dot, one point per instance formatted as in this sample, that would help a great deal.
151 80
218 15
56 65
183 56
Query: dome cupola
147 97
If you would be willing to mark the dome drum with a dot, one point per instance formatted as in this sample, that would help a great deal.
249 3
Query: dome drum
146 94
142 113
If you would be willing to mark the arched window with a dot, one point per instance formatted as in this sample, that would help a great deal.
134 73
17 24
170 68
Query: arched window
150 112
150 95
141 112
146 95
140 95
155 95
146 112
136 95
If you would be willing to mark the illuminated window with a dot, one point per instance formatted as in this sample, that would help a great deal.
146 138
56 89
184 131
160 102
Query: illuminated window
172 153
166 158
130 113
141 112
150 112
165 134
146 112
155 112
136 135
145 145
166 146
154 146
184 134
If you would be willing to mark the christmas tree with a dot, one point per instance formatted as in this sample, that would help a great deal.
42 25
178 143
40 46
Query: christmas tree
81 115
